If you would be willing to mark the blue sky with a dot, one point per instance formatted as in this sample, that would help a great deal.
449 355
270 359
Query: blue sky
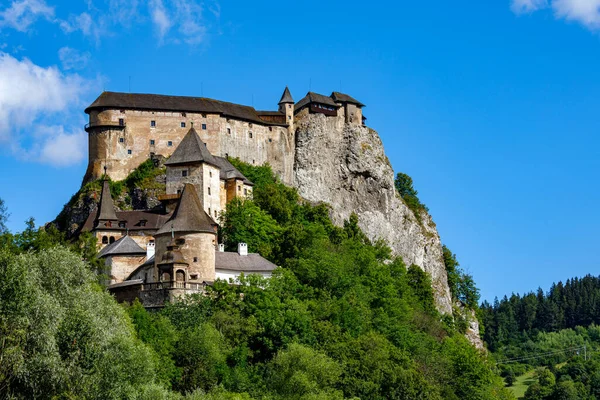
491 106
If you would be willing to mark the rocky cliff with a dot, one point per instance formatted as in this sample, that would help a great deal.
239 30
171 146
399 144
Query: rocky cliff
345 166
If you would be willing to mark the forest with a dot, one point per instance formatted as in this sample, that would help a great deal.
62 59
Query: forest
341 319
552 336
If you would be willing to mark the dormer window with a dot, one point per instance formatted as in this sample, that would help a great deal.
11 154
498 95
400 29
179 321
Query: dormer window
143 222
152 124
122 224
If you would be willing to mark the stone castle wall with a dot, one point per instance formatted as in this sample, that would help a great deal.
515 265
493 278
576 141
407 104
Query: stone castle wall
122 149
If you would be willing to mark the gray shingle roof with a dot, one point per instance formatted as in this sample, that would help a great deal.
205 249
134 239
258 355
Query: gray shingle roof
344 98
124 246
139 101
106 208
189 216
312 97
286 97
191 150
253 262
228 171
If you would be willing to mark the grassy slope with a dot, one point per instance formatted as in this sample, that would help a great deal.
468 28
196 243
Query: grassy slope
522 383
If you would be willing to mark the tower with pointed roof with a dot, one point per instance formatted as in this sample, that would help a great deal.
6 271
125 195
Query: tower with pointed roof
194 233
286 106
192 163
106 224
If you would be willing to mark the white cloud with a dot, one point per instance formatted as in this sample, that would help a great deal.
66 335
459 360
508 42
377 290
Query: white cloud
585 12
32 98
527 6
62 148
73 59
161 20
21 14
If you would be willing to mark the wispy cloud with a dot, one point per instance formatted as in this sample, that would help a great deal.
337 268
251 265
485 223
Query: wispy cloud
73 59
527 6
585 12
31 99
183 21
20 15
160 19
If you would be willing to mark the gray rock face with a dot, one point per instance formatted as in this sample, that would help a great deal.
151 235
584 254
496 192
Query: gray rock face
345 166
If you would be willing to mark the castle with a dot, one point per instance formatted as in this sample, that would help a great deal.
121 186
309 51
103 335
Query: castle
161 255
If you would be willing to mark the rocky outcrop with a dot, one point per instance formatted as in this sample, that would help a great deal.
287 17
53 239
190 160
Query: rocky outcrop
345 166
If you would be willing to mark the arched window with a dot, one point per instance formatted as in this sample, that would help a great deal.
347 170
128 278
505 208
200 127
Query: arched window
180 275
104 240
111 240
250 135
166 277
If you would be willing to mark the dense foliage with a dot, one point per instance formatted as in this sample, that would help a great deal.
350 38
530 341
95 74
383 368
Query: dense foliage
555 332
514 319
342 319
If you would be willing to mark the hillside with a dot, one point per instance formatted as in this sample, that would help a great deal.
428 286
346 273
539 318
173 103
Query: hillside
343 318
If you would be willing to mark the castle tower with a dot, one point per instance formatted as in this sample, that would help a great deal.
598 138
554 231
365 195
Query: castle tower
106 227
194 233
191 162
286 106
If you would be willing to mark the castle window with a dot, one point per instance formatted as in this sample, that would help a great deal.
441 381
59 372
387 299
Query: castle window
129 151
111 240
195 259
121 122
208 210
203 127
104 239
215 213
229 131
270 140
209 191
169 143
289 106
239 188
184 173
245 192
153 124
180 242
270 129
250 124
178 192
151 142
183 124
121 140
122 111
250 135
194 277
203 115
210 173
183 114
289 117
226 155
122 224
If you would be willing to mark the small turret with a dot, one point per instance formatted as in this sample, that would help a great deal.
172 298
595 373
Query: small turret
286 106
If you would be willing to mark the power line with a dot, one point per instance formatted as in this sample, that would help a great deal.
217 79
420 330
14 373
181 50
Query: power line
549 353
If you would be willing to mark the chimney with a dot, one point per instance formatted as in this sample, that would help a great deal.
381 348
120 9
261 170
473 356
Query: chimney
242 249
221 247
150 249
